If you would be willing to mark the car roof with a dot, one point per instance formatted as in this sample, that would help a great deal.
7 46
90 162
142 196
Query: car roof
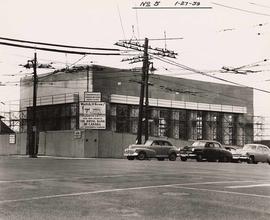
208 141
158 140
256 144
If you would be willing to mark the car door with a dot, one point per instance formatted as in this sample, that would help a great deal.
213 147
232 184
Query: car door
156 147
265 154
209 151
220 152
165 148
259 155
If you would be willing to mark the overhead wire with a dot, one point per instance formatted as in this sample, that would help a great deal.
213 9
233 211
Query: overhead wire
240 9
58 45
205 74
120 18
137 21
200 89
261 5
58 50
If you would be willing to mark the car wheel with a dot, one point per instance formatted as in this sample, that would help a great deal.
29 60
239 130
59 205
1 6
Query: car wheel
268 161
172 157
141 156
130 157
211 160
183 158
251 160
199 158
224 159
229 159
160 158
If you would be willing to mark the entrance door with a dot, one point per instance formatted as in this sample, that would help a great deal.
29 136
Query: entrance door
91 143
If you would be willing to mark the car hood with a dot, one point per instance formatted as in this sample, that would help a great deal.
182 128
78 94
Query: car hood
132 146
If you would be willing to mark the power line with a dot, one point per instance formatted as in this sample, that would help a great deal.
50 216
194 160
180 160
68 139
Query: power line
200 89
240 9
57 50
58 45
205 74
153 39
124 35
264 6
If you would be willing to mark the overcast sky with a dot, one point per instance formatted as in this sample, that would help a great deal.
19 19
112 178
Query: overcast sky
231 33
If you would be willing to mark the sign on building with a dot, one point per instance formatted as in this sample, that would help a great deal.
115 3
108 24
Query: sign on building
92 96
92 115
12 138
77 134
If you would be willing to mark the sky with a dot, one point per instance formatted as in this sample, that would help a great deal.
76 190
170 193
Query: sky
230 33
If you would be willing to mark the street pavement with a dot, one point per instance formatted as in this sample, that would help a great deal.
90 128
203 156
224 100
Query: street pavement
64 188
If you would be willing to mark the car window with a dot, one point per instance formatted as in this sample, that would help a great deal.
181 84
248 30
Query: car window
210 145
157 142
216 145
198 144
166 143
260 149
249 147
266 150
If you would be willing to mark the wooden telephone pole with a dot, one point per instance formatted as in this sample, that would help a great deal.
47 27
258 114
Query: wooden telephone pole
144 107
33 148
143 86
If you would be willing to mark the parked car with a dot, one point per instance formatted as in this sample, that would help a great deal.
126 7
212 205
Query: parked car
159 149
206 150
254 153
235 153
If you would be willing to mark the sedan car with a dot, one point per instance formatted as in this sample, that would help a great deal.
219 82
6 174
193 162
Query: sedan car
254 153
159 149
206 150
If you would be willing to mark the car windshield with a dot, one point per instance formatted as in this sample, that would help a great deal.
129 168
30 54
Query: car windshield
148 142
249 147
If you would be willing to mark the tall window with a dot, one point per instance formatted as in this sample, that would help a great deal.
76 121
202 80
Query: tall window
122 118
228 129
199 126
163 123
183 124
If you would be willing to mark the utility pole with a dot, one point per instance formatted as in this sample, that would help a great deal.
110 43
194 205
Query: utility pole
34 146
143 81
147 50
87 80
146 110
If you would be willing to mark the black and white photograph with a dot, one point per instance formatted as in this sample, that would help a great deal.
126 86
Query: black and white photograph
132 109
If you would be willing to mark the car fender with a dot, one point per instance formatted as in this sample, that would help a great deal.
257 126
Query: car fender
228 153
173 151
149 152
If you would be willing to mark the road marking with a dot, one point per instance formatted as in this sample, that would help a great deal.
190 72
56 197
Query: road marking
248 186
90 177
225 192
117 190
64 178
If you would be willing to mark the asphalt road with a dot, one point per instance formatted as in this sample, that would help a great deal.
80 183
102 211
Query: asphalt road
51 188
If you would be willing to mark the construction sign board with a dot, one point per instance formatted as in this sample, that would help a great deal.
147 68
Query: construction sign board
92 115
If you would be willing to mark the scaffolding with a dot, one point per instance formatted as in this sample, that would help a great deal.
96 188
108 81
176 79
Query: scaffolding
236 128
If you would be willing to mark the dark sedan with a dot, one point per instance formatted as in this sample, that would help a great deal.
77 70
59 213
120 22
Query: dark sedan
206 150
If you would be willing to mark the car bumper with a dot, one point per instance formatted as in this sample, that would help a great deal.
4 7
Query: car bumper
239 158
188 155
131 154
244 158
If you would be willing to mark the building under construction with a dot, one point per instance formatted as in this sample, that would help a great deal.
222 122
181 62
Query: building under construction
180 109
